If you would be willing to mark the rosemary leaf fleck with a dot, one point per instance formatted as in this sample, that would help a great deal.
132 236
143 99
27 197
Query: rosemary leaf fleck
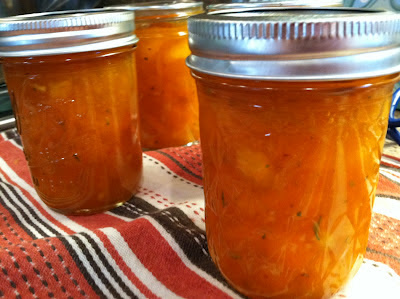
316 228
234 255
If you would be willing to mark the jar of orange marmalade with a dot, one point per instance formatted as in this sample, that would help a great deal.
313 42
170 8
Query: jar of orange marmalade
167 92
294 107
72 83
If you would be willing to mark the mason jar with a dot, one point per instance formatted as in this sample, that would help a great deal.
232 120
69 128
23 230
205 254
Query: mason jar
167 92
294 108
72 82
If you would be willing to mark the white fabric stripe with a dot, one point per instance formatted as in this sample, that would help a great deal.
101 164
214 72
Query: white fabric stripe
20 183
393 175
180 193
111 261
389 170
12 141
390 160
176 191
87 266
4 135
185 259
126 219
387 206
136 266
31 229
31 218
373 280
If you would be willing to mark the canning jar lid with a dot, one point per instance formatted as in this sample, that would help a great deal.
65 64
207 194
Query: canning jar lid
66 32
295 43
161 8
274 3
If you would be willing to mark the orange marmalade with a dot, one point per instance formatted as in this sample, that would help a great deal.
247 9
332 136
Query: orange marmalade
294 107
290 173
75 102
166 90
77 116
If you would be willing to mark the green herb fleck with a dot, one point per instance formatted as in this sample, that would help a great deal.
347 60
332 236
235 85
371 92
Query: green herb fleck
267 166
223 199
298 214
316 228
76 156
107 121
305 274
352 183
234 255
264 236
209 91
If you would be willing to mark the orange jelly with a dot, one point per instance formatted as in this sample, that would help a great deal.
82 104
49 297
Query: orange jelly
290 184
78 119
294 107
167 92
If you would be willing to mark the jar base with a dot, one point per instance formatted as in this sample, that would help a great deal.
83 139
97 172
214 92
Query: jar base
146 149
85 212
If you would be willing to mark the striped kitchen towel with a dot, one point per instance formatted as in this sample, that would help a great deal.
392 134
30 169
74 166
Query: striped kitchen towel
154 246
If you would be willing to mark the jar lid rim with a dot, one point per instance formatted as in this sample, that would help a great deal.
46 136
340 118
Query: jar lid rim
63 32
155 6
68 18
274 3
297 14
288 35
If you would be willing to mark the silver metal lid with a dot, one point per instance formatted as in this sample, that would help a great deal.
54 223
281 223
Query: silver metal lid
274 3
65 32
160 8
296 43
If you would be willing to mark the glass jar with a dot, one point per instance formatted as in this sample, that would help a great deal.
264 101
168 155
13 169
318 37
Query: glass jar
167 92
72 83
293 117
